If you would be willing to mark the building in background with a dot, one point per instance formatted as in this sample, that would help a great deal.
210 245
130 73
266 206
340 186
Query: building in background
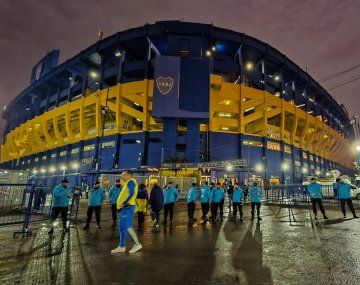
175 92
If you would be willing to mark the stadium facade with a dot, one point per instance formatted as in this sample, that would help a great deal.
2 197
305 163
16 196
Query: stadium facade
175 91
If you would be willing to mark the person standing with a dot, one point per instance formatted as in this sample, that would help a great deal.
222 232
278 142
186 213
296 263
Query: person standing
221 205
238 198
60 203
157 202
217 196
314 192
255 194
191 197
141 204
96 196
171 196
126 207
113 196
230 190
345 197
205 198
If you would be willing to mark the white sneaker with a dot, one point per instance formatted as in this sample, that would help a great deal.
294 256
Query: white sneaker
135 248
119 249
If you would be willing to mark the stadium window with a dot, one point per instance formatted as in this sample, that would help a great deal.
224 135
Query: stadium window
36 159
89 147
86 160
311 157
131 141
287 149
53 155
44 157
273 146
63 153
75 150
108 144
305 155
253 143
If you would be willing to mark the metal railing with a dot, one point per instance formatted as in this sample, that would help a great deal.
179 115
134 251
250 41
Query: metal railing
27 203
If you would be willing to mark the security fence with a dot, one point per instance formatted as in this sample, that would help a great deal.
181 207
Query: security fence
27 203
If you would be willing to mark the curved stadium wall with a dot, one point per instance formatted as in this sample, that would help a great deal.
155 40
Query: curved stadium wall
198 92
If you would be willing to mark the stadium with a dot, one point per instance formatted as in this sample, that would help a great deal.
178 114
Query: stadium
175 95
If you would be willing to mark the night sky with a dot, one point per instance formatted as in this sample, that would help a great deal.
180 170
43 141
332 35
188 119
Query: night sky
323 36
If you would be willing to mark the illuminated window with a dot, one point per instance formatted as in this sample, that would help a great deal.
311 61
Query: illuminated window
75 150
36 159
108 144
287 149
89 147
311 157
305 155
253 143
273 146
86 160
53 155
63 153
44 157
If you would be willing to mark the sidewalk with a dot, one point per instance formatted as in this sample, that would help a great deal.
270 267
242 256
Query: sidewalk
287 247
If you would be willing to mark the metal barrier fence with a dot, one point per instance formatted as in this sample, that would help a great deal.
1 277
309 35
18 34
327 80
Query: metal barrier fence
295 194
27 203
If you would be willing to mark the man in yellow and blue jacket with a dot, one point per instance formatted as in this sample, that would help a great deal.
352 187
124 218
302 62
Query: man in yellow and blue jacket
126 207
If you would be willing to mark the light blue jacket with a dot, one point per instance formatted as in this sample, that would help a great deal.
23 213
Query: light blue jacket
191 195
114 194
61 196
170 195
218 194
238 195
205 194
314 191
96 197
343 190
255 194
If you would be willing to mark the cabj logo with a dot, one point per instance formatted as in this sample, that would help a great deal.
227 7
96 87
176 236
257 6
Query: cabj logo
164 84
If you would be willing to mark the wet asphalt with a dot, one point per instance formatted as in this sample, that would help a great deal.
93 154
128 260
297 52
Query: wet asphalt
287 247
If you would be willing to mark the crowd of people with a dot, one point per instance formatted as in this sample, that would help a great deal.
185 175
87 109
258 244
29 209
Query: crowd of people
127 197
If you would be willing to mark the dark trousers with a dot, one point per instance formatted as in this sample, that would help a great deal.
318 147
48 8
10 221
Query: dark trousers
155 215
350 204
114 212
318 201
191 210
97 214
204 209
221 208
257 205
169 209
214 209
237 206
140 218
60 210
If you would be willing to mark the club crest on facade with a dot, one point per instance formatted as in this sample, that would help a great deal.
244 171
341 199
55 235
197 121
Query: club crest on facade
164 84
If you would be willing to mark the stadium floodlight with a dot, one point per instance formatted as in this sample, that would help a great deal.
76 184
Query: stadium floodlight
213 48
285 166
304 170
229 167
93 74
259 167
317 172
42 170
117 53
277 77
52 169
249 66
35 171
208 53
75 166
63 167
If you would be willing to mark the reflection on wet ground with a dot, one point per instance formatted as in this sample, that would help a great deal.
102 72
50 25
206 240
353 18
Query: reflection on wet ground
287 247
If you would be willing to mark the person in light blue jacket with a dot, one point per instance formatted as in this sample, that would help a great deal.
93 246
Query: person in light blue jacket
191 198
345 197
95 199
315 194
113 197
60 203
238 199
255 194
218 195
171 196
205 198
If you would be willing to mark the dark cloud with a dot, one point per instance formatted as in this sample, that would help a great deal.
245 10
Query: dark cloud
320 35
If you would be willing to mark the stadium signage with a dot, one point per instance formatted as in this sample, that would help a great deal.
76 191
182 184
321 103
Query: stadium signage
164 84
241 162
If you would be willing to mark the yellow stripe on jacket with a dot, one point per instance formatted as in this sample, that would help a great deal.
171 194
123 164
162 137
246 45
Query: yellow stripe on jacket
128 194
